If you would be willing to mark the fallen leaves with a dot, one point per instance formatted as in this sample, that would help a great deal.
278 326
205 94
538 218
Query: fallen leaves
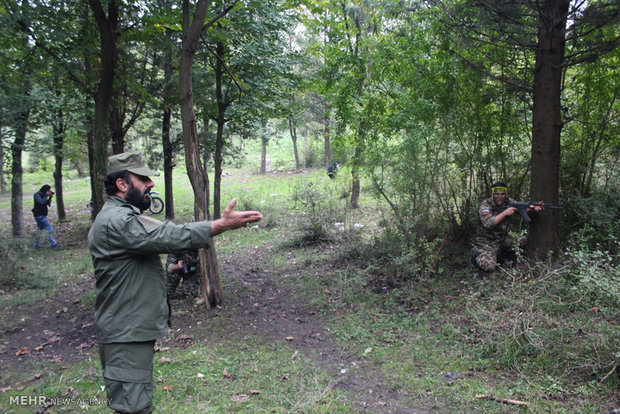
240 398
23 351
85 345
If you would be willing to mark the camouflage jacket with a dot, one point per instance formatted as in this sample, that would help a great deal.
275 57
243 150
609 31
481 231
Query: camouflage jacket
488 230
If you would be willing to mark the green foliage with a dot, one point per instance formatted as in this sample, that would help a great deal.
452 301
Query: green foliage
538 320
596 275
321 214
312 153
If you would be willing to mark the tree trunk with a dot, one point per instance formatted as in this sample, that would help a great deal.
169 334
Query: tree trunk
167 147
263 154
192 28
108 32
292 126
17 200
326 138
2 175
116 125
222 105
547 125
355 175
59 134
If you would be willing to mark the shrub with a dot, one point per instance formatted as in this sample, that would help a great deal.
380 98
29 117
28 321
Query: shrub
321 215
596 275
597 219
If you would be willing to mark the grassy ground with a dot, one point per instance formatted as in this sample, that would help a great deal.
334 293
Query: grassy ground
311 328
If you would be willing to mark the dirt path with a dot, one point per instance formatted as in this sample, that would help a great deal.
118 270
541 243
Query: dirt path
60 329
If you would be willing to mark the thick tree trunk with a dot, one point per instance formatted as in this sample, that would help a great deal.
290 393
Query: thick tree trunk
17 200
59 129
58 158
108 32
116 126
547 125
60 203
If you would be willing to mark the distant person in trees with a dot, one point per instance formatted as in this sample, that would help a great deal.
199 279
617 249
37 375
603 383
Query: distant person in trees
131 309
43 200
492 244
333 169
183 269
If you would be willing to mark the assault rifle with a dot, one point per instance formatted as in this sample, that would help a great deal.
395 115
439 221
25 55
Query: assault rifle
523 206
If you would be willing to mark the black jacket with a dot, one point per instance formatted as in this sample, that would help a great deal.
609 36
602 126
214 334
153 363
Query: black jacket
41 202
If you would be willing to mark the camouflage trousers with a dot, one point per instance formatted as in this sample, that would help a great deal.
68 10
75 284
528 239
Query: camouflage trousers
491 253
179 284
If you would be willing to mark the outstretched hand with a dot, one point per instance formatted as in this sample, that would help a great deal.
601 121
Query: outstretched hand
231 219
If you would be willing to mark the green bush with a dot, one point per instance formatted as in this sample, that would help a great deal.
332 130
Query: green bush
321 215
597 220
595 274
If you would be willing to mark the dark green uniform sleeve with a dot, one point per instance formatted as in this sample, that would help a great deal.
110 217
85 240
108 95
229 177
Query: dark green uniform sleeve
131 304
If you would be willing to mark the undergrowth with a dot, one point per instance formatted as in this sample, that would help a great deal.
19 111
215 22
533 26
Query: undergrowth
19 269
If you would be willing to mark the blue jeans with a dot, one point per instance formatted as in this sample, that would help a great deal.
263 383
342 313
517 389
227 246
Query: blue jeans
43 224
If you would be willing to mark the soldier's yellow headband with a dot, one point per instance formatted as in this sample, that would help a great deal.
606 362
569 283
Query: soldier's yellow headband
499 190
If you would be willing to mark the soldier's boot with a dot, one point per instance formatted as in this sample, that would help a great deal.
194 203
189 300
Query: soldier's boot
473 254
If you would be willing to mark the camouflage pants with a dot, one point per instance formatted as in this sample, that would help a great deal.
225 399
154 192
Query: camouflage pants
492 252
190 284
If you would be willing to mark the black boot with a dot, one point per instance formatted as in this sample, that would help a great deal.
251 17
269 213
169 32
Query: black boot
473 254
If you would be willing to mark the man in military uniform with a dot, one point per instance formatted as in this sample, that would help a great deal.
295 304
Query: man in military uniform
131 309
182 269
493 246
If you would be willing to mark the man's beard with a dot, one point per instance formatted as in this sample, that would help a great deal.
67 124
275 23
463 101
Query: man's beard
135 198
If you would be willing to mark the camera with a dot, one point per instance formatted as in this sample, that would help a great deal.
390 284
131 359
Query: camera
190 262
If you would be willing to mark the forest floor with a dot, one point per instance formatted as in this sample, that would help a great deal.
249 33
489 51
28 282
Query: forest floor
60 328
353 335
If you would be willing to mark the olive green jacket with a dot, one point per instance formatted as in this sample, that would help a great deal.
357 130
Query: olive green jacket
131 303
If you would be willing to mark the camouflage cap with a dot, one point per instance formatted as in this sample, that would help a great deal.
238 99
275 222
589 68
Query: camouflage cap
130 161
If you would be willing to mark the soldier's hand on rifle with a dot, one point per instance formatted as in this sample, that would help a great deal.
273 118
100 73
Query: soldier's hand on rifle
537 206
508 212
